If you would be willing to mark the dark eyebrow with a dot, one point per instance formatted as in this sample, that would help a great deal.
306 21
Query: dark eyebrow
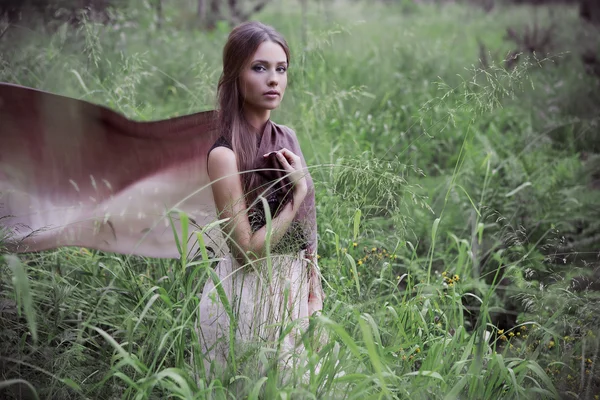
266 62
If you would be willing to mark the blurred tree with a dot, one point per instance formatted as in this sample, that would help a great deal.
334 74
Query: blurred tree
159 13
72 11
237 11
590 11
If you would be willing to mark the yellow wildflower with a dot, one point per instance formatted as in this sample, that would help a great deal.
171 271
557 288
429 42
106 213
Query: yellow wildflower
456 278
418 350
359 262
444 273
500 331
354 244
511 334
551 344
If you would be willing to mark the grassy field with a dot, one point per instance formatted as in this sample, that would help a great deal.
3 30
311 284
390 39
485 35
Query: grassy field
457 201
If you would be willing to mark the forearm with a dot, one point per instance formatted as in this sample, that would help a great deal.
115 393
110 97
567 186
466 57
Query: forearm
256 247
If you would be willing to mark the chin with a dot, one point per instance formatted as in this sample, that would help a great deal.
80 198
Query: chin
271 106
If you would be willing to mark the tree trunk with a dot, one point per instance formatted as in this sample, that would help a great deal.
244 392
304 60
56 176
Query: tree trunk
304 33
201 13
214 13
159 14
589 10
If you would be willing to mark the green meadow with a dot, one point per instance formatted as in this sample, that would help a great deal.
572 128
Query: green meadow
458 208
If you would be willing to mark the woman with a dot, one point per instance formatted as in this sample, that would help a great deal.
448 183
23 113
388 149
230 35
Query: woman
266 292
74 173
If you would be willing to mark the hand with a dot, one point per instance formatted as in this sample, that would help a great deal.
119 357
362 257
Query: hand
292 164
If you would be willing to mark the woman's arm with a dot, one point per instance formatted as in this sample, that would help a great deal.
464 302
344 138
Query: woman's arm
229 199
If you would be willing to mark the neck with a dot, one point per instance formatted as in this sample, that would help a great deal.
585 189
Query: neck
257 119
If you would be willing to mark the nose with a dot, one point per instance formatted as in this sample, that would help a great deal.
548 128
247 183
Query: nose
273 80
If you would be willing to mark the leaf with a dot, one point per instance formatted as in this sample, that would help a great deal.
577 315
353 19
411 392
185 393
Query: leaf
256 389
518 189
185 224
23 292
434 229
357 215
430 374
353 266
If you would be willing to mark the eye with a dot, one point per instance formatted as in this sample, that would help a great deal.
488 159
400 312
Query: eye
258 68
281 69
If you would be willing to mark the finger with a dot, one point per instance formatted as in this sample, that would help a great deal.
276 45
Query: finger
290 156
283 161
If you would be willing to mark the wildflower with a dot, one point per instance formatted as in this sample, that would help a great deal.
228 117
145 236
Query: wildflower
511 334
444 273
500 331
502 337
398 277
374 249
318 256
523 328
456 278
354 244
589 360
451 284
418 350
359 262
343 249
551 344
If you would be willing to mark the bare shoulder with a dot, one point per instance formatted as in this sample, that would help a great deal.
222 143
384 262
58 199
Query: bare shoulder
221 162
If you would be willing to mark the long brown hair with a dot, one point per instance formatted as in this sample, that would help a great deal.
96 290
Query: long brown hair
241 45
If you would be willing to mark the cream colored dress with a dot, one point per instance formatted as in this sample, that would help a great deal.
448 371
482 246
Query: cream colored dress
265 301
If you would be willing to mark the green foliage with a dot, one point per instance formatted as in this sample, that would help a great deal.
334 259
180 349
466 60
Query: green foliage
455 205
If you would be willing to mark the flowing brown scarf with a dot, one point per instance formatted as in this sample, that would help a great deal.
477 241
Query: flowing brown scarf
77 174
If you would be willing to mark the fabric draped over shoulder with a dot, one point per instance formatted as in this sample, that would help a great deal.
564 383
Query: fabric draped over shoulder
77 174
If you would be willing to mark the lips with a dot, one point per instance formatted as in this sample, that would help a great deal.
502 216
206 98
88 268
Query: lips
271 93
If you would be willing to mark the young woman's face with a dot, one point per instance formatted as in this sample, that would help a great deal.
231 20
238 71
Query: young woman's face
264 79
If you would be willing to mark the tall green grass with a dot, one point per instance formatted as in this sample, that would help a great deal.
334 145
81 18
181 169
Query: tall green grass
451 214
